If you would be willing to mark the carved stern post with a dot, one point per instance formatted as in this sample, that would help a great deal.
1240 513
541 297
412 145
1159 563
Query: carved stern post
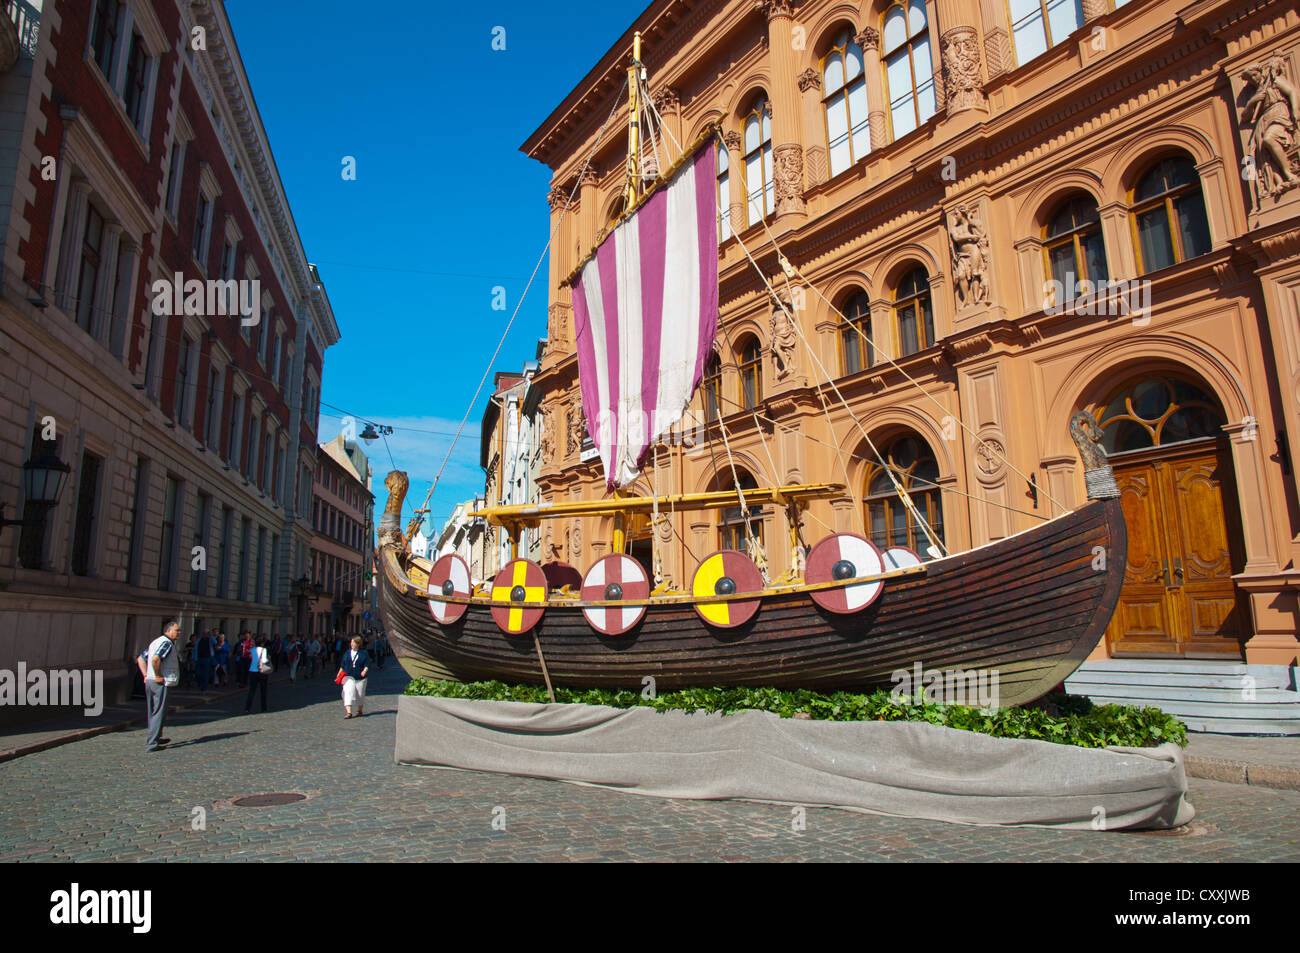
1098 477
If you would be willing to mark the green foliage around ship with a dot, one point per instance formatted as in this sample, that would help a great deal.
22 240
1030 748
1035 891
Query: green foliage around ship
1063 719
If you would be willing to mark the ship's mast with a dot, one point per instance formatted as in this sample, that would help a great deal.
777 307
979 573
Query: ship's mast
634 75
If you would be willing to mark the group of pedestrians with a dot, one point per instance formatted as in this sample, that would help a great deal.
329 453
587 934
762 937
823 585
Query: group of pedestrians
208 659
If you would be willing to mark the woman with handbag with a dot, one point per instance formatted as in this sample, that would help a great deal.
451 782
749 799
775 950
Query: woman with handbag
259 672
353 669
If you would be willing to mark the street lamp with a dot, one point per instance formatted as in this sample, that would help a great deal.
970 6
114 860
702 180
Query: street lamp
43 479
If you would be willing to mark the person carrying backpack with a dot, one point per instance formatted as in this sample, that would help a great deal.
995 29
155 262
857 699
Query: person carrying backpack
259 672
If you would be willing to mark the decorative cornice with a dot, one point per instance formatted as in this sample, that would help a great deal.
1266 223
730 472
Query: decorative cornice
775 8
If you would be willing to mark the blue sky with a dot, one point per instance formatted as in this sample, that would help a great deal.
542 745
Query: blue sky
444 206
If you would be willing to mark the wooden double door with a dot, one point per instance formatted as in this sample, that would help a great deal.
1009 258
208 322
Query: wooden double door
1184 543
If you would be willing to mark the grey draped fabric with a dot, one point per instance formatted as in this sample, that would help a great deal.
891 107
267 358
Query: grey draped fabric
904 769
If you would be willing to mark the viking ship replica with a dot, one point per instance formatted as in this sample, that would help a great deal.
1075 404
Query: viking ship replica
1030 607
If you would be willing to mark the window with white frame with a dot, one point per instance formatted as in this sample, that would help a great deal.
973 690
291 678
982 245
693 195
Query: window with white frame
845 100
125 58
1038 25
909 75
724 194
208 192
759 179
175 174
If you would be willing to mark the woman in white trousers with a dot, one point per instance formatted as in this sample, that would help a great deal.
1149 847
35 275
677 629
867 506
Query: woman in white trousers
354 666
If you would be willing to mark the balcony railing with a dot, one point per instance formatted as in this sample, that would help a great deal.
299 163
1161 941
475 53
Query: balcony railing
27 19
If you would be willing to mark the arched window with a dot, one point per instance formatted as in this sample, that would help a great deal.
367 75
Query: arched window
731 524
855 334
1037 25
889 522
758 161
712 388
751 373
844 86
913 313
1155 411
617 208
1074 248
909 72
1169 215
724 194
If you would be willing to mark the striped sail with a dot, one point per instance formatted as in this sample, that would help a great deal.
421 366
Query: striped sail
645 309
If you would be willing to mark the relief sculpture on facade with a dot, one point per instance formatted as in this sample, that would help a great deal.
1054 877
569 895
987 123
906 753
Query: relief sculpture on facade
961 69
784 339
788 177
970 256
1271 113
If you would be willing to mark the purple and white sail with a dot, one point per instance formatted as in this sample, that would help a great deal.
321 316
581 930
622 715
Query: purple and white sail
645 308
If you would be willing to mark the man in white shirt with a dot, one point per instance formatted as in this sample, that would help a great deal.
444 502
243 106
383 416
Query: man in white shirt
162 671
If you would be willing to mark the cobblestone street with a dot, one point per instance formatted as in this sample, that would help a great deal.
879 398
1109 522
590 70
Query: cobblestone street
104 798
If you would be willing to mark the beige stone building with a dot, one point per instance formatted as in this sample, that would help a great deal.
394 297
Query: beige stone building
1028 210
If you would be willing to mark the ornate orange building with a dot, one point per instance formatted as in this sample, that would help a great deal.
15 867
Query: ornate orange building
1027 209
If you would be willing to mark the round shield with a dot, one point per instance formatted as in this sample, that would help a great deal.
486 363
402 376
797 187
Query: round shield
899 557
839 557
727 573
518 596
611 579
449 577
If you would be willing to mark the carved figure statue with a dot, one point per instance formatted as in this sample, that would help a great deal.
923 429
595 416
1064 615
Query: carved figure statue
970 256
390 523
548 434
1273 112
784 339
1087 439
577 424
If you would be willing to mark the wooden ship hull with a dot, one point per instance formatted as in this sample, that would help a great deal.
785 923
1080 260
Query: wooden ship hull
1030 607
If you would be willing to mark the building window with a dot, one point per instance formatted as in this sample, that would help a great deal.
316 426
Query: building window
1076 255
260 584
135 93
1155 412
751 374
135 541
1169 215
235 443
199 577
181 402
758 161
223 576
913 313
855 334
202 224
909 72
241 565
104 36
175 169
724 193
88 280
83 532
844 97
167 543
731 521
889 521
1037 25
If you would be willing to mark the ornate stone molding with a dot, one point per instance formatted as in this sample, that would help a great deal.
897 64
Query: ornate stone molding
868 38
556 198
588 176
732 138
816 170
997 57
557 325
775 8
1282 246
810 79
666 99
787 162
963 86
990 457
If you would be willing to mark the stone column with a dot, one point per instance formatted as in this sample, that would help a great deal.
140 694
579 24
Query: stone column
787 147
74 227
877 99
959 55
588 213
1093 9
668 103
817 159
735 180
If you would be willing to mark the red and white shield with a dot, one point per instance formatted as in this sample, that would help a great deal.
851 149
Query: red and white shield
845 556
519 596
726 573
899 557
613 578
448 577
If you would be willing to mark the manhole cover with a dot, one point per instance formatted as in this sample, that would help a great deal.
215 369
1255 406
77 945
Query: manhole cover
268 800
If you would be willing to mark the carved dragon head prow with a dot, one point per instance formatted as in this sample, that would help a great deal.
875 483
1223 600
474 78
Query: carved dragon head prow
390 524
1097 474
